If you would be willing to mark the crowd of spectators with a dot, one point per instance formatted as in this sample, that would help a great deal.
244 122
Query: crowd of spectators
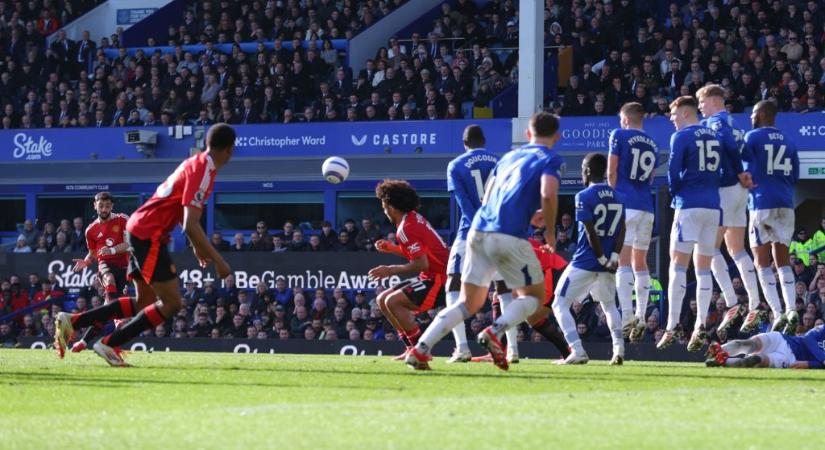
622 50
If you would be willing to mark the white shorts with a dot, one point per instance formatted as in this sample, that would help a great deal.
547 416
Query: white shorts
771 225
575 284
638 229
695 227
500 256
734 203
777 350
456 259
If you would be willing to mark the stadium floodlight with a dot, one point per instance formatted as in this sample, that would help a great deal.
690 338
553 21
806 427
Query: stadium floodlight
143 140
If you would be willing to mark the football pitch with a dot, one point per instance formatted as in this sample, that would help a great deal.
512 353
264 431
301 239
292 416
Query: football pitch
253 401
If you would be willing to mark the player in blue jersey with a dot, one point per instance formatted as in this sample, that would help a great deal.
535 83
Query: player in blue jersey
600 212
774 350
775 170
733 200
630 165
466 176
693 179
523 180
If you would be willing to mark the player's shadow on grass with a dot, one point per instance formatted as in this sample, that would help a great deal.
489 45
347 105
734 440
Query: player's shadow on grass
34 378
609 374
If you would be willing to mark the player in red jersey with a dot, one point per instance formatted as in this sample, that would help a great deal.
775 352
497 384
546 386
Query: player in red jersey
178 200
105 238
427 254
539 320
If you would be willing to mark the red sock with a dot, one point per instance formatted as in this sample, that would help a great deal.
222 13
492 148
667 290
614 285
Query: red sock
413 334
496 308
111 293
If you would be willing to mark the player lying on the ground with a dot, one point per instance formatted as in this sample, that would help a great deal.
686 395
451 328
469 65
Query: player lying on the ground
774 350
427 254
178 200
601 217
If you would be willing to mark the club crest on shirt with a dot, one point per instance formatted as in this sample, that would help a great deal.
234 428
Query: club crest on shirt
115 228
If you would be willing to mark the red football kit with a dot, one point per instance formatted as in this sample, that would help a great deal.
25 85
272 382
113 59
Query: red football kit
149 227
549 262
108 234
417 237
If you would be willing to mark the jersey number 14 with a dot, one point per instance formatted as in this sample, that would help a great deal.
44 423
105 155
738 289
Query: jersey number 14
776 160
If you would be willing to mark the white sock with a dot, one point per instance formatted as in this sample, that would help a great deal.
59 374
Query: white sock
740 347
748 273
788 287
624 289
676 295
613 319
719 266
642 286
561 309
516 312
704 290
460 331
445 321
768 282
506 300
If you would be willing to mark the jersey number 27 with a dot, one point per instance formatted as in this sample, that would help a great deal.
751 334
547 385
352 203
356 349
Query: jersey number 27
601 212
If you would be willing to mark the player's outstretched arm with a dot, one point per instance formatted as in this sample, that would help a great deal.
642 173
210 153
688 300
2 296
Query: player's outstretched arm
385 246
203 250
416 265
80 264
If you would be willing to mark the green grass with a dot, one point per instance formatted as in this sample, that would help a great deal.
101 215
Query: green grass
226 401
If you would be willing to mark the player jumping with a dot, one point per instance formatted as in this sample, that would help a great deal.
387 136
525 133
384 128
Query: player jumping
178 200
774 350
775 170
693 178
105 238
427 254
630 166
601 217
733 200
466 176
522 180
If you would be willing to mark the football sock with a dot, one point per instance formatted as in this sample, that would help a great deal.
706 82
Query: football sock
404 339
552 333
561 309
111 293
147 319
460 330
90 334
642 286
516 312
614 322
413 335
720 271
768 282
495 308
123 307
624 289
704 286
512 332
676 295
740 347
748 273
445 321
788 287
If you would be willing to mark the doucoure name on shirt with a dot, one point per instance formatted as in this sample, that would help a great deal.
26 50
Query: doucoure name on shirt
479 158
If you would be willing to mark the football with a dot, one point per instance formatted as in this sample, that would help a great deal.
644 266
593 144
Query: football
335 169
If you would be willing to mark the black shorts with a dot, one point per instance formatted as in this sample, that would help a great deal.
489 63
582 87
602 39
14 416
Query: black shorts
118 272
150 261
426 293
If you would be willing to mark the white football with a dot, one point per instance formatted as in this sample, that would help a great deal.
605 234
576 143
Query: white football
335 169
